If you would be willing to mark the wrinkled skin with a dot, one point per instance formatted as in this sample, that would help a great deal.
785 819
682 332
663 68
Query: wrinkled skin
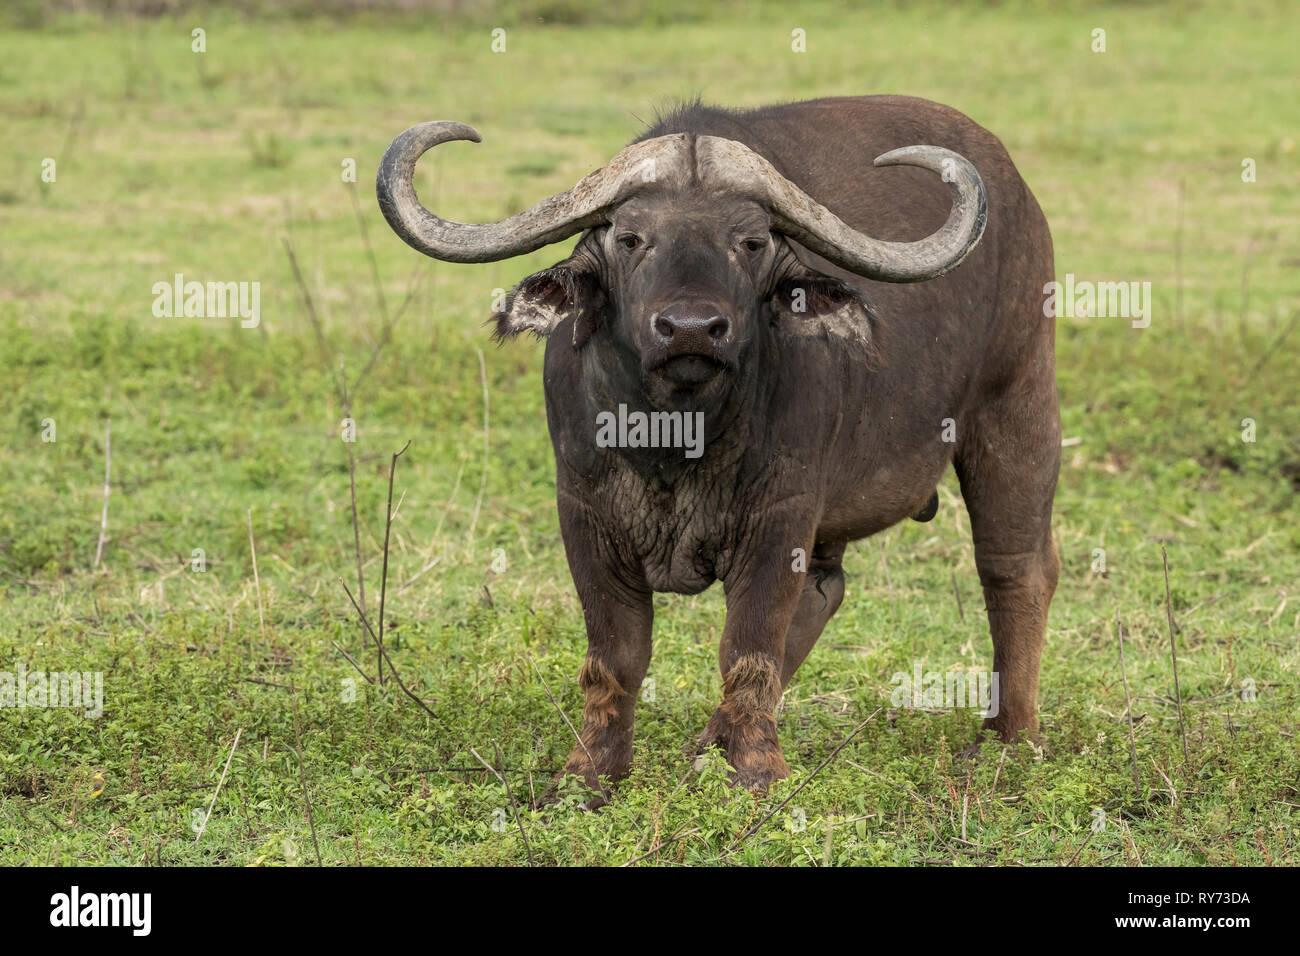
825 399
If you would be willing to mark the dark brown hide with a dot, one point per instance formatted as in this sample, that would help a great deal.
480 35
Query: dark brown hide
822 425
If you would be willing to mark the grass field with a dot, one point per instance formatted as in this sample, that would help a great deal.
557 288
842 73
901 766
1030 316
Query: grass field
214 164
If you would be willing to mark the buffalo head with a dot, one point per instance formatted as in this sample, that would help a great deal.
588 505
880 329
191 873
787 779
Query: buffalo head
684 250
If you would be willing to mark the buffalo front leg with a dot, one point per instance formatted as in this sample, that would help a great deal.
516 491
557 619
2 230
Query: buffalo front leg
619 614
763 592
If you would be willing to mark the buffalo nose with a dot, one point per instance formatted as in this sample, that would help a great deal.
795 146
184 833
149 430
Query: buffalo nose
687 331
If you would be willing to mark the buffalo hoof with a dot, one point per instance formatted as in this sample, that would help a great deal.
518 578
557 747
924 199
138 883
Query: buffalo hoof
974 752
757 776
597 796
613 762
752 751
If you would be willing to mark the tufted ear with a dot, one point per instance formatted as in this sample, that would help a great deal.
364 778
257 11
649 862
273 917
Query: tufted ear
819 305
545 299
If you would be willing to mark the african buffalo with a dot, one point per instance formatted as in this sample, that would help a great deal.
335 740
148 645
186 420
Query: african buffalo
787 278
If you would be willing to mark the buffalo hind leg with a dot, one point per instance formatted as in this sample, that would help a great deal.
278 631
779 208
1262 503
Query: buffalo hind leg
823 592
1008 466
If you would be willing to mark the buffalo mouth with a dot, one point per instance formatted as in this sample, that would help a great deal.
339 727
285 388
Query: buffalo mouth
690 371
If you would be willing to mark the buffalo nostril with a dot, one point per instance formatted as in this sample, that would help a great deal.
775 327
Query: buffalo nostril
690 331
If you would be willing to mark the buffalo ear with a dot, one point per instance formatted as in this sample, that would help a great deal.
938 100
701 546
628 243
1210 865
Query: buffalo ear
545 299
818 305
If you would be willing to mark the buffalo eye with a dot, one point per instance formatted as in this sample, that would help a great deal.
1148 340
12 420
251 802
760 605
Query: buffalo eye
629 241
753 245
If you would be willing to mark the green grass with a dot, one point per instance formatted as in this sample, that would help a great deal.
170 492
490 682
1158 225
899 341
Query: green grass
168 162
